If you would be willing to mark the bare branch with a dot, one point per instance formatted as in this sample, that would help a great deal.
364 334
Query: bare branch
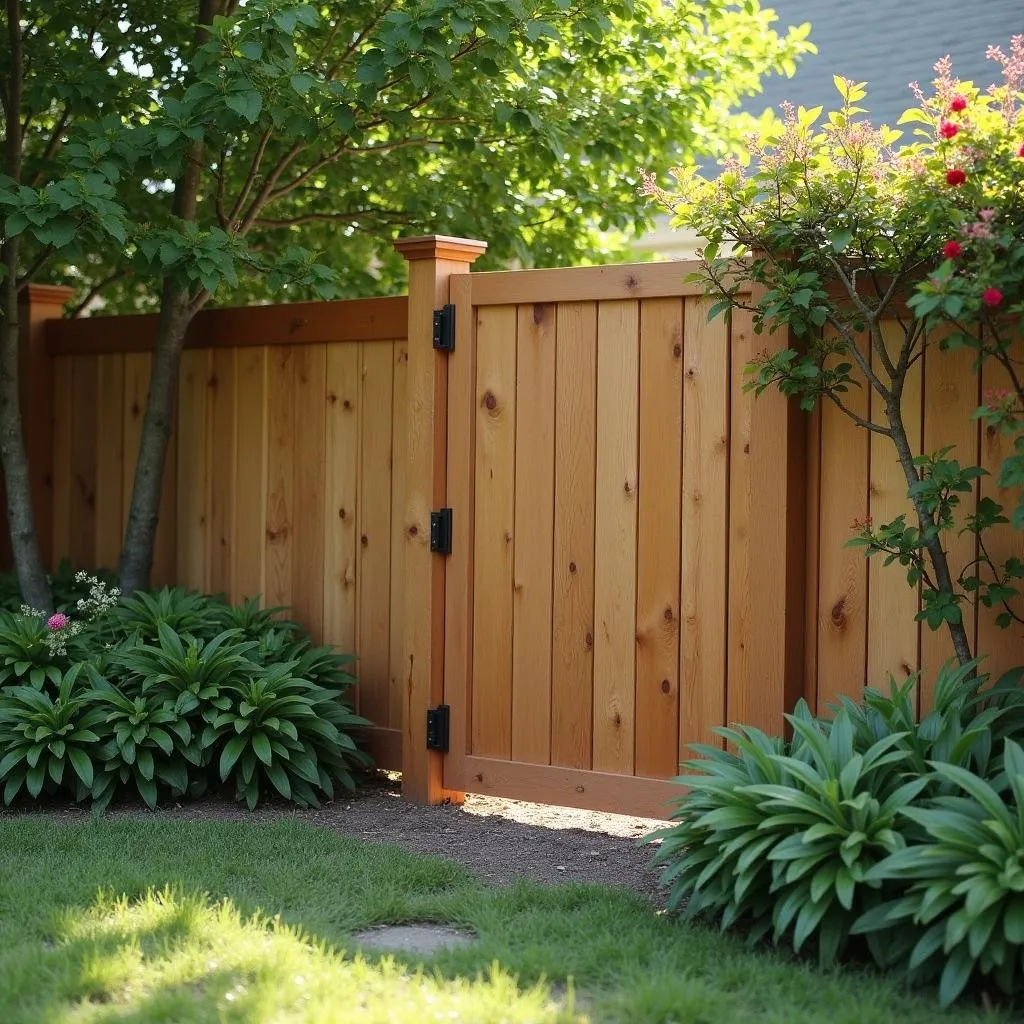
858 419
79 308
250 178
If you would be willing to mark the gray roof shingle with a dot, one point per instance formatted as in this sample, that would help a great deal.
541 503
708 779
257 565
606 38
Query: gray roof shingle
888 44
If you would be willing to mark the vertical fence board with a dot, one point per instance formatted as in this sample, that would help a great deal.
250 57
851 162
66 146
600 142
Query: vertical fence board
572 660
399 457
1002 649
892 604
373 560
109 461
658 538
534 526
618 388
223 424
842 609
704 567
63 397
951 388
341 454
308 542
250 509
493 542
281 453
84 424
193 478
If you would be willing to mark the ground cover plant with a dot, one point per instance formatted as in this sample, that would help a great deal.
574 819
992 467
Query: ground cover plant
164 694
191 921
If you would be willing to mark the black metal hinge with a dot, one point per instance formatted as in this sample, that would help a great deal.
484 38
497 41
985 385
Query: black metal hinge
438 722
441 531
444 328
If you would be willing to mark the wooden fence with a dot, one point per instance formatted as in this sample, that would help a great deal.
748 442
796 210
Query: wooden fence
641 550
281 477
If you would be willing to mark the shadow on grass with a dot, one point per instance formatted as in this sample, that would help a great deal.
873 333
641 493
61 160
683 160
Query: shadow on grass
273 941
179 956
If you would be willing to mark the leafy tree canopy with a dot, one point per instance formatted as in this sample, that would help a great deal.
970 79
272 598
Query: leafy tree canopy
319 132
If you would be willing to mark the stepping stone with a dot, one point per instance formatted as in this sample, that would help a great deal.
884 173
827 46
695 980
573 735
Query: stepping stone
414 938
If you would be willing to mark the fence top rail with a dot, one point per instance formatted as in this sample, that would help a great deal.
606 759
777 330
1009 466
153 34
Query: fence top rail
582 284
296 323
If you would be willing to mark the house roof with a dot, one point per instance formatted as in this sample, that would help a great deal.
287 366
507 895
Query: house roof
888 44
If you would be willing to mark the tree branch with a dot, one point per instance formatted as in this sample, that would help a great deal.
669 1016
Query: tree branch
80 307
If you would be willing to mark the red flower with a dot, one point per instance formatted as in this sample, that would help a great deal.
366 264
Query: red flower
1020 152
992 297
958 102
952 250
954 176
947 129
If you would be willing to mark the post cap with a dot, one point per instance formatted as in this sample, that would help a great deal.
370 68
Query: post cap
46 294
440 247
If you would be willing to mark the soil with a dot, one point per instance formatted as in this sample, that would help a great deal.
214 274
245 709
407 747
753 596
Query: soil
499 840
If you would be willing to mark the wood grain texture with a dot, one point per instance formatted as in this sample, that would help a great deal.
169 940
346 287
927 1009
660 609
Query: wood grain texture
893 632
250 508
373 557
193 487
109 461
704 565
223 453
841 615
310 473
533 531
1002 649
280 476
399 458
572 676
341 456
766 543
658 538
63 398
952 391
493 557
461 494
84 427
618 386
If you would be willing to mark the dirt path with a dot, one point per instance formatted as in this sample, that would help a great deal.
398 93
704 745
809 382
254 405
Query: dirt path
497 839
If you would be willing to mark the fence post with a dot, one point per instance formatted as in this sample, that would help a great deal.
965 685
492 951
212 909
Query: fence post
432 259
39 303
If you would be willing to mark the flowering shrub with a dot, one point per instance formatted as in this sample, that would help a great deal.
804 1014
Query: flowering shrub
837 229
170 693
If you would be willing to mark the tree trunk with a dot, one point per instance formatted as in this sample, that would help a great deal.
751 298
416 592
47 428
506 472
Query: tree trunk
28 561
144 512
177 307
936 552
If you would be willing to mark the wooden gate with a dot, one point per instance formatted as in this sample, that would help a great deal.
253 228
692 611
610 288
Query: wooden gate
596 431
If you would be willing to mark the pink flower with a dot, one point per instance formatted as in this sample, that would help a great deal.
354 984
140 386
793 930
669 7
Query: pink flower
952 250
957 103
947 129
955 176
1020 152
991 297
986 215
58 621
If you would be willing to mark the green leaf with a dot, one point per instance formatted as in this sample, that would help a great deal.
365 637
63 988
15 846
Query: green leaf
230 754
82 764
261 747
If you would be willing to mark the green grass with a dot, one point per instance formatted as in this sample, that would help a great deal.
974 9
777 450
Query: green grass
145 921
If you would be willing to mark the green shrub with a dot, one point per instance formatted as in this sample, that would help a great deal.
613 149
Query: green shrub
907 836
963 883
783 840
177 691
41 736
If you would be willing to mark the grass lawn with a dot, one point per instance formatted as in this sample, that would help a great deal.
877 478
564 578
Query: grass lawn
154 920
